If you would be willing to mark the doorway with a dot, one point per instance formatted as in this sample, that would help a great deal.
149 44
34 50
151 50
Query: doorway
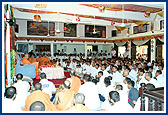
95 48
41 48
89 48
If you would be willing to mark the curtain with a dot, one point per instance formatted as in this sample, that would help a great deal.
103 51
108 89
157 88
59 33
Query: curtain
120 43
140 42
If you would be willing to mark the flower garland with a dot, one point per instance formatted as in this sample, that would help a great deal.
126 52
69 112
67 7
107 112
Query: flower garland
13 62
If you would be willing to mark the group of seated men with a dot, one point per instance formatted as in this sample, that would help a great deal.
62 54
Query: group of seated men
109 84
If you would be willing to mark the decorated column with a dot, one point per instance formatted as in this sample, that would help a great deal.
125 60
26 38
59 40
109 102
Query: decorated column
85 50
52 49
129 48
153 49
9 80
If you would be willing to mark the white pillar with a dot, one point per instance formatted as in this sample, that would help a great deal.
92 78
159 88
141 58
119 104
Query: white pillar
8 52
129 49
52 49
85 50
153 49
30 47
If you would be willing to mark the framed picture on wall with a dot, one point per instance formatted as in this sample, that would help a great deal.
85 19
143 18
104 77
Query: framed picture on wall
40 28
70 30
141 28
100 31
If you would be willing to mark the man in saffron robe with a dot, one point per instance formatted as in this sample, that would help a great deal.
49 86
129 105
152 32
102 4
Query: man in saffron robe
40 60
76 83
32 59
38 95
64 99
46 59
25 59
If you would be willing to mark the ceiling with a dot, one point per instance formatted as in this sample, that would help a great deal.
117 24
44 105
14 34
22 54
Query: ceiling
113 12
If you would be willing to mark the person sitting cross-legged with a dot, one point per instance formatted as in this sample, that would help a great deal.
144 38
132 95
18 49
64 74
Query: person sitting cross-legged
64 98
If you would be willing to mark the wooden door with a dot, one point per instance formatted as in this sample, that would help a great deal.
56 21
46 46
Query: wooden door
116 49
133 52
159 52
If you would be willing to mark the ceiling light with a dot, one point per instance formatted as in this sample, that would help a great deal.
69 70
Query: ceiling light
122 25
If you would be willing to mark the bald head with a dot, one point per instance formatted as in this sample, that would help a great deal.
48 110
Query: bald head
10 92
38 86
19 76
37 106
66 84
79 98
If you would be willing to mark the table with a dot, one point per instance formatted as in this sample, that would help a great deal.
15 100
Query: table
53 73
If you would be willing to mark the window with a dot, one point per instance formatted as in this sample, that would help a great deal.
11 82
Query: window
114 33
141 28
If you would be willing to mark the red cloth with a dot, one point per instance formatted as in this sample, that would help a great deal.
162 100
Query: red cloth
56 82
67 74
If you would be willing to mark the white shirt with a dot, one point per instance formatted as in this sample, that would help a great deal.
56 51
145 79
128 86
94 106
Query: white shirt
160 79
118 107
83 66
117 77
10 106
48 87
88 69
143 80
105 90
125 54
154 82
125 88
78 70
113 53
133 74
90 91
22 88
105 73
95 72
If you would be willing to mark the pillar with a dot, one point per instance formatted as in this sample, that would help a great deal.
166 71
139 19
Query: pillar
30 47
153 49
85 50
8 61
52 49
129 49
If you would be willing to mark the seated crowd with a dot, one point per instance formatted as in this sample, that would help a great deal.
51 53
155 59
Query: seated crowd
108 84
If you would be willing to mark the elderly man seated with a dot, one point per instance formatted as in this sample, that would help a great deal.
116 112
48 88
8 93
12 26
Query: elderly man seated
64 98
38 95
79 103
